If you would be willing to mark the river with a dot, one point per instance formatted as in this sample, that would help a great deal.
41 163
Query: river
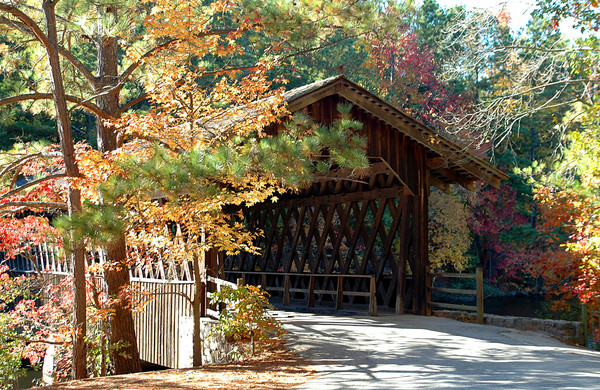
518 306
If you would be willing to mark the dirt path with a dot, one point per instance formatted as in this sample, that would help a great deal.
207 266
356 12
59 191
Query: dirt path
276 368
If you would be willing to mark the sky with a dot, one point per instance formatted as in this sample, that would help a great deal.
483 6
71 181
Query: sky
519 12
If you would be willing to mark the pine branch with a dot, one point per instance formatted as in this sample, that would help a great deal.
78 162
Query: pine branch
28 26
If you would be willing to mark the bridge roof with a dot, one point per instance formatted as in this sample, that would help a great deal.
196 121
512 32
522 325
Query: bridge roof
449 162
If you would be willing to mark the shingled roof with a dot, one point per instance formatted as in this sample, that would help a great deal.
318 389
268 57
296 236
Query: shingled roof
449 162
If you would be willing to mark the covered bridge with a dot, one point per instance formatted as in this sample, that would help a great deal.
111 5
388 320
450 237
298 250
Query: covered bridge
360 236
375 226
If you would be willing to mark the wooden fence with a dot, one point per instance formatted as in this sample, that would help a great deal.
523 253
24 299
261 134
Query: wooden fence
314 284
478 292
163 292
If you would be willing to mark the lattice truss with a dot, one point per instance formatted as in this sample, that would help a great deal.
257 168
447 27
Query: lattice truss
362 227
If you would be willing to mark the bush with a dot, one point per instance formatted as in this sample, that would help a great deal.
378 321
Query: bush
245 316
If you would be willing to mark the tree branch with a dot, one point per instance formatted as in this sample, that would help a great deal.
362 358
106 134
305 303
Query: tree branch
47 96
32 183
28 23
165 45
545 50
317 48
132 103
22 160
49 205
22 338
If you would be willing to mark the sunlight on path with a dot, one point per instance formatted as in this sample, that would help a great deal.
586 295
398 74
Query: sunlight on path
405 352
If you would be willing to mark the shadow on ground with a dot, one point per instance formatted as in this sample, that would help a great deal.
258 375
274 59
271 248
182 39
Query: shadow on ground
403 352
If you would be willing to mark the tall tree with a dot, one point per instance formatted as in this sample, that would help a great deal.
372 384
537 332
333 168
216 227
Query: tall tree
275 32
49 41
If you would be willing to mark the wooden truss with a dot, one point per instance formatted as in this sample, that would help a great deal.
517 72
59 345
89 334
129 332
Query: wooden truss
360 227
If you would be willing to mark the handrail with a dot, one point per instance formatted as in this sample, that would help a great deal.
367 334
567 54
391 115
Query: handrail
478 292
453 275
297 274
219 283
311 291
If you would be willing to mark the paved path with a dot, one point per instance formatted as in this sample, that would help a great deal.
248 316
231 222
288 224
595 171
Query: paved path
408 352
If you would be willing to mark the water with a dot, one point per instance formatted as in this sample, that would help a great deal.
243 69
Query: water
518 306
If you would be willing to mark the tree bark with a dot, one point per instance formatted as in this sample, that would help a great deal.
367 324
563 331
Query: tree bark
74 195
126 357
126 360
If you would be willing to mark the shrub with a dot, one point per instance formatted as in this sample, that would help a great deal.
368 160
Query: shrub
245 316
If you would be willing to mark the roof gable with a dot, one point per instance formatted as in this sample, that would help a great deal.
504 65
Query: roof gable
449 163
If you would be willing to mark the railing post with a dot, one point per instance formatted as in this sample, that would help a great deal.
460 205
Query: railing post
372 297
311 291
584 320
286 291
240 282
479 284
263 282
340 294
428 285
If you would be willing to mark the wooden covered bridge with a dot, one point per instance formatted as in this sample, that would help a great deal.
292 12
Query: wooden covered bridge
340 241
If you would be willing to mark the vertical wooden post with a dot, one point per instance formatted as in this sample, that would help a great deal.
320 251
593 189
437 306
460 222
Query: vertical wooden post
311 291
372 297
401 279
428 285
584 320
240 282
263 282
479 283
286 291
340 293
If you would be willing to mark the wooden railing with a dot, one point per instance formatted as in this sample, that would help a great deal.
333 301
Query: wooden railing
478 292
219 283
310 290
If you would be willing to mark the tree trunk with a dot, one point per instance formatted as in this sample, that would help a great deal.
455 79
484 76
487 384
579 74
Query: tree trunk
74 195
126 357
117 278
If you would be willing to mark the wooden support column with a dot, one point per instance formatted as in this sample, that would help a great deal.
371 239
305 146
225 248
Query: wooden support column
428 286
421 218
